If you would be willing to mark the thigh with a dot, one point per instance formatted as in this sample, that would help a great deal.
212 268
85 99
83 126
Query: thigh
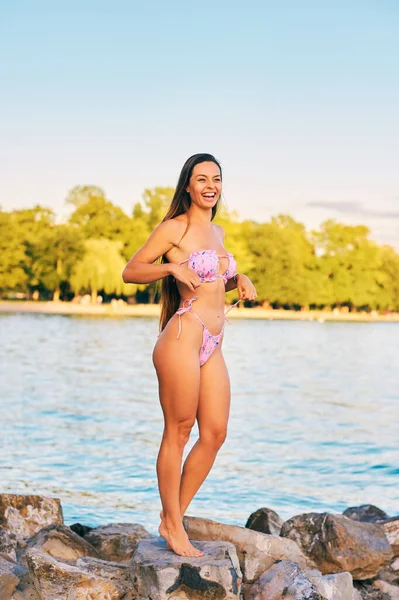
176 362
214 395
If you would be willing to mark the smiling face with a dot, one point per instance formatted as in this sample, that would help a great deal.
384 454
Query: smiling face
205 184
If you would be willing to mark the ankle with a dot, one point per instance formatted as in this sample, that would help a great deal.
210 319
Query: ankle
172 524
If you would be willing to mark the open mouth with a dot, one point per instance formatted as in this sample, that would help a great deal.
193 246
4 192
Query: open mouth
209 196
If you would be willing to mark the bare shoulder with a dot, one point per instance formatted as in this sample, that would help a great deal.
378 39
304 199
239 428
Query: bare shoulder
170 230
220 231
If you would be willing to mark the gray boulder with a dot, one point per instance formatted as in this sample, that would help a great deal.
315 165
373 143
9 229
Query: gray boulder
8 543
8 578
256 551
367 513
117 541
25 515
160 574
118 573
54 580
338 586
391 528
284 580
61 543
265 520
335 543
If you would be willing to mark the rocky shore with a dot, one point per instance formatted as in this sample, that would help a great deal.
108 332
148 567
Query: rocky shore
311 556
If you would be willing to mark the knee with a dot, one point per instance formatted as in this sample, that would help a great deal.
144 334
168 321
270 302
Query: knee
214 438
180 433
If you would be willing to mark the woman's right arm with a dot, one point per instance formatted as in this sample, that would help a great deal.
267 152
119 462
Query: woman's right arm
140 268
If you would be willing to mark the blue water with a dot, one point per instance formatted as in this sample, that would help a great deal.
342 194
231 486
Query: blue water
313 423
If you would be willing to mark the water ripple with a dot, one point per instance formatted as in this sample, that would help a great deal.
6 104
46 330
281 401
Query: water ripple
313 422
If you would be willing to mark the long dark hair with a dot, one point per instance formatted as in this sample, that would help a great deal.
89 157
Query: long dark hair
181 202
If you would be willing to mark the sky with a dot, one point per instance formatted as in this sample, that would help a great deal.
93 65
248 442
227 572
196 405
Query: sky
298 99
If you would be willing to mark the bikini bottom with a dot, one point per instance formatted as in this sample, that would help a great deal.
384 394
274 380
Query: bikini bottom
209 342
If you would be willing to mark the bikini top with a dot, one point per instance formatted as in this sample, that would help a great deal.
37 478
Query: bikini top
206 264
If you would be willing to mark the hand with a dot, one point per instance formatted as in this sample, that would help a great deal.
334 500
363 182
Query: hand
245 287
185 275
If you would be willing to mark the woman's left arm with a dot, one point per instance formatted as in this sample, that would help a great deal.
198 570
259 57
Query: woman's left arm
245 287
243 284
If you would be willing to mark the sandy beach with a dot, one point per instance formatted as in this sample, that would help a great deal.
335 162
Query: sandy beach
118 309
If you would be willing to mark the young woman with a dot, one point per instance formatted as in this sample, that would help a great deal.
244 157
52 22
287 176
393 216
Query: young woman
196 271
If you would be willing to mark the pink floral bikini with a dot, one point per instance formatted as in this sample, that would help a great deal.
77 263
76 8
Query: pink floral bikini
206 264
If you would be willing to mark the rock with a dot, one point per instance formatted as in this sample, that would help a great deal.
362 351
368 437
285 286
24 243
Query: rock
265 520
117 541
338 586
160 574
391 527
25 515
356 594
256 551
284 580
395 564
118 573
80 529
336 543
8 543
387 588
368 592
54 580
8 579
61 543
366 513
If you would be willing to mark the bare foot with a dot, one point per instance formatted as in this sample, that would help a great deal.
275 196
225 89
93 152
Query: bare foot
177 540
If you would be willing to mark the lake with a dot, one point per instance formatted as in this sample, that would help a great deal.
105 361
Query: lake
313 422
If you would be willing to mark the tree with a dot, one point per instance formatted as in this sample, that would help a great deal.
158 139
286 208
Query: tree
12 255
283 261
100 269
349 263
58 250
156 202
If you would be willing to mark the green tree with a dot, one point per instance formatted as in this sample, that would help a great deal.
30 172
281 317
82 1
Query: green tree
154 205
58 249
13 276
349 264
100 269
283 261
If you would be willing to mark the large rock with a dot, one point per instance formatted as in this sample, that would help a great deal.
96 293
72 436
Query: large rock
118 573
338 586
118 541
336 543
386 588
8 543
8 578
25 515
265 520
61 543
367 513
160 574
284 580
391 528
256 551
54 580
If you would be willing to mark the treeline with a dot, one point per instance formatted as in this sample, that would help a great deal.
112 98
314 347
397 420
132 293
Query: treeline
337 265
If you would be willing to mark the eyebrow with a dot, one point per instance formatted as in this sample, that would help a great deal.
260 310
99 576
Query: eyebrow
201 175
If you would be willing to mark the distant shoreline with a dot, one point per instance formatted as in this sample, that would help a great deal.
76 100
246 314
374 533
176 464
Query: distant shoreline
152 310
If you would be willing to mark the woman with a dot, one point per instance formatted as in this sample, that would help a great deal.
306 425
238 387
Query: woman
192 376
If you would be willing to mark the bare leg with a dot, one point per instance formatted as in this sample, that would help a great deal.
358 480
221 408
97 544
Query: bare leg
212 415
178 371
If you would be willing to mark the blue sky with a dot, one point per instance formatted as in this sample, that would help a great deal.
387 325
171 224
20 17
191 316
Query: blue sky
298 99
